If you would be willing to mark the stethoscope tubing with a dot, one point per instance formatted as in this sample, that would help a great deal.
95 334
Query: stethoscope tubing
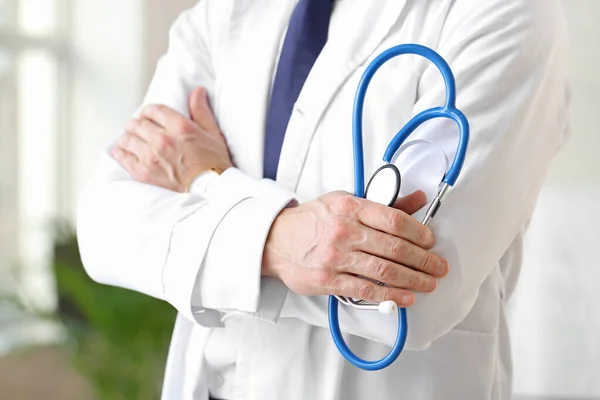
448 110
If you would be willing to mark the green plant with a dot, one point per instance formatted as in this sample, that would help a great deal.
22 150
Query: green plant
118 339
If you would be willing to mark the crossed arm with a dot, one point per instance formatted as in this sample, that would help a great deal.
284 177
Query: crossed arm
316 248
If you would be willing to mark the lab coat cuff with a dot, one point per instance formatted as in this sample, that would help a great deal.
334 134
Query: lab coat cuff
188 245
231 279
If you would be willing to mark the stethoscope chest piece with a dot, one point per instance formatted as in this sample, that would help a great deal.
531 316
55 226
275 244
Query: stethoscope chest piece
384 185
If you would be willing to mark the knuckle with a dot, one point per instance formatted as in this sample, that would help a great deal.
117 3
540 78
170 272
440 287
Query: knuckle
396 220
365 291
427 237
338 231
161 108
426 261
324 278
346 204
385 271
153 162
143 124
398 249
164 143
336 194
147 109
184 126
386 293
336 284
331 257
414 281
152 110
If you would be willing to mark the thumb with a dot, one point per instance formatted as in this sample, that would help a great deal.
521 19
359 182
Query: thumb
412 203
200 111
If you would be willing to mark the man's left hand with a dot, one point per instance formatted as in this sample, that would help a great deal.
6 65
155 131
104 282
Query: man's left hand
166 149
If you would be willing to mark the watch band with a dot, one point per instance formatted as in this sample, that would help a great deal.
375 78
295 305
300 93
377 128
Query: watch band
203 176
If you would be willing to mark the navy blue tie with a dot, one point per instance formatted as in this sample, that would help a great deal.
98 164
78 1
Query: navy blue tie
306 36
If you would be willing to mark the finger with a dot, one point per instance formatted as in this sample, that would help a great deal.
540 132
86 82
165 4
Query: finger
201 112
167 118
403 252
358 288
388 272
125 158
134 144
412 203
146 129
394 222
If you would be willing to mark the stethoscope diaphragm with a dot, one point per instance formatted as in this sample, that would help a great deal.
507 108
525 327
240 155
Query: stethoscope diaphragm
384 185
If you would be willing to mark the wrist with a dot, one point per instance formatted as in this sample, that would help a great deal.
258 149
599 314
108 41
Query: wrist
274 255
202 180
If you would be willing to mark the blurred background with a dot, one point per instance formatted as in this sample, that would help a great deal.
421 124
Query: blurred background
72 71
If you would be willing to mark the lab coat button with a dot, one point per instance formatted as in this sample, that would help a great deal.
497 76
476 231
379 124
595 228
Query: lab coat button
219 380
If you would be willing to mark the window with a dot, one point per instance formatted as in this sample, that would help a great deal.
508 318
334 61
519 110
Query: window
33 96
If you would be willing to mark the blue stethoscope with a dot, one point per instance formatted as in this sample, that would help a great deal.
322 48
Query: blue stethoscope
449 111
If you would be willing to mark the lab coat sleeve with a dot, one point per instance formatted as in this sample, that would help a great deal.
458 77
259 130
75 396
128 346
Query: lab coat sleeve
509 63
153 240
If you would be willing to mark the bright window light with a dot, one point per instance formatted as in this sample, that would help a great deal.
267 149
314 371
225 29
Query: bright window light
37 17
37 152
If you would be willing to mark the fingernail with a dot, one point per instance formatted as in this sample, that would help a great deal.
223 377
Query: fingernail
444 268
431 283
407 299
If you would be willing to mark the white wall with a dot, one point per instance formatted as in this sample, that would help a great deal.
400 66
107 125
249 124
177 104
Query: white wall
579 162
555 317
116 45
158 18
107 57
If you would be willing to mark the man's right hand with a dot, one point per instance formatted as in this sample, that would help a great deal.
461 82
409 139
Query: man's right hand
329 245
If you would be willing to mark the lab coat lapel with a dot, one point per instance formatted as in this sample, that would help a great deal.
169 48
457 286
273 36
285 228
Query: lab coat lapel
245 74
364 26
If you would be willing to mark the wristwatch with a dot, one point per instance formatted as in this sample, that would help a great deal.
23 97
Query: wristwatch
202 183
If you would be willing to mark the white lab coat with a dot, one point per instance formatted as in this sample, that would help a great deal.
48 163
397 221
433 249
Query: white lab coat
202 252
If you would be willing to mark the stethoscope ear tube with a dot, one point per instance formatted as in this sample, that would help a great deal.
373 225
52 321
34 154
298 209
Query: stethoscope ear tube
449 111
437 112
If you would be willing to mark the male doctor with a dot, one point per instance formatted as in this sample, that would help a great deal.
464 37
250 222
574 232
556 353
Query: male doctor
222 196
